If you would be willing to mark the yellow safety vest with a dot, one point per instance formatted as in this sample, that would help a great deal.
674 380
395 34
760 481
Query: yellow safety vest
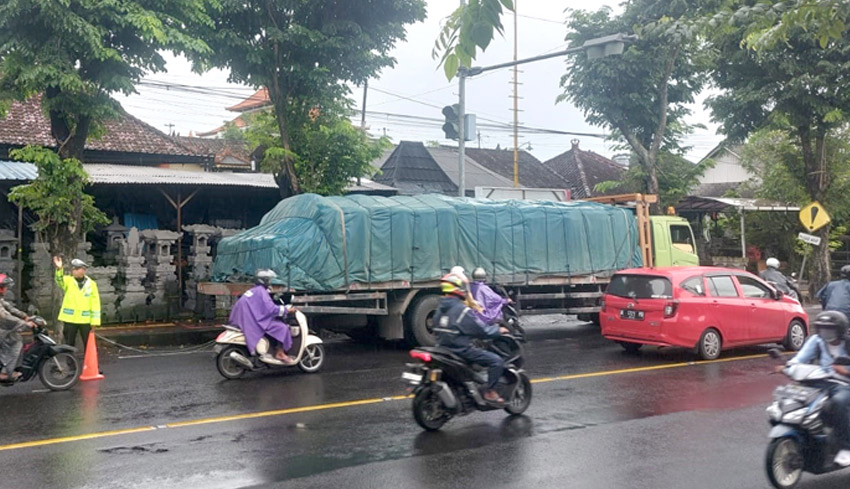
81 305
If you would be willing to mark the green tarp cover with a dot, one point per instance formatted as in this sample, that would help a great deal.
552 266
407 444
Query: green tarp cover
319 243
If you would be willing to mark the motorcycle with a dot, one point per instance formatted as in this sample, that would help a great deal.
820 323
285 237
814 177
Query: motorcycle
233 358
792 292
801 439
445 385
55 365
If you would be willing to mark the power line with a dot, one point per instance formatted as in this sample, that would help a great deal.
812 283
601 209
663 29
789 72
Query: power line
541 19
493 125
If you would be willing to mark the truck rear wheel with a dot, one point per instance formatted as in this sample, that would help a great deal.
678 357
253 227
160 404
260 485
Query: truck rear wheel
419 327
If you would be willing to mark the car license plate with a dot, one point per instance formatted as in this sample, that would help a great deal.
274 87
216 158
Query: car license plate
411 378
631 314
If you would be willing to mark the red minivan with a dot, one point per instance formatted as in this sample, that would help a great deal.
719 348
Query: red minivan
705 308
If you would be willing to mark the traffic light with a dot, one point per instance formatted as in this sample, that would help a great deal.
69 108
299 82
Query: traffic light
452 125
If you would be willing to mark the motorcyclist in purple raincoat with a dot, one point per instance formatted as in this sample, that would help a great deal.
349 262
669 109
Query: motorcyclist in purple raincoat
491 302
258 315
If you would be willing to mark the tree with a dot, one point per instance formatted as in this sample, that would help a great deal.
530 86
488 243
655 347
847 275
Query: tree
57 198
305 54
77 53
328 151
775 159
798 85
470 27
643 94
772 22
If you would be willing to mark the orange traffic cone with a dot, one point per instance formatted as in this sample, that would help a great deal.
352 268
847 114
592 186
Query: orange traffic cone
90 369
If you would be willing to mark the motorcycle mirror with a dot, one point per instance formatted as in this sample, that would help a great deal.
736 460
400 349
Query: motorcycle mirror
775 353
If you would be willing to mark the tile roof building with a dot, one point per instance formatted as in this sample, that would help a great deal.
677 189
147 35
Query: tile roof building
414 168
583 170
226 155
532 173
125 139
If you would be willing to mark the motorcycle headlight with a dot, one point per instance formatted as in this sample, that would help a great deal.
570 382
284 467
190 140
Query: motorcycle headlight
774 412
794 417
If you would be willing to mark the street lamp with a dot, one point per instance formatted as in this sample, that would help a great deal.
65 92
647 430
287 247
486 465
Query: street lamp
595 48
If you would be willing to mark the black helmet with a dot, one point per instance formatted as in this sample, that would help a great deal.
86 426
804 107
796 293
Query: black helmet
845 272
831 325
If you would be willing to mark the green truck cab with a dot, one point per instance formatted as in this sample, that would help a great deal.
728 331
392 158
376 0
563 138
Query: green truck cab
673 243
665 241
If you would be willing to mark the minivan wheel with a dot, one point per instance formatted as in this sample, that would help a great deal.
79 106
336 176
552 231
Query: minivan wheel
630 347
796 336
709 344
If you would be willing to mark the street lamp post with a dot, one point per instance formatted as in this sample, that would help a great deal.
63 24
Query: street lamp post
596 48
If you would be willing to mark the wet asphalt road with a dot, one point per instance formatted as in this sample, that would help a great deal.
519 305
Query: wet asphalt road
694 426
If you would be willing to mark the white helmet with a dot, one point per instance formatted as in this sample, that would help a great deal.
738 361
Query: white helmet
460 272
265 277
772 263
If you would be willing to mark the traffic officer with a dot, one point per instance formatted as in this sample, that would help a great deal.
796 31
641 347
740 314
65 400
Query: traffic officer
81 304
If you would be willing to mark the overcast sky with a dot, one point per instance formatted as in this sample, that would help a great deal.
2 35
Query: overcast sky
416 87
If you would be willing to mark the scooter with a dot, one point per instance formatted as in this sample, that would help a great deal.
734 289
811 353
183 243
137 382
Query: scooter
445 385
56 365
510 315
801 439
233 358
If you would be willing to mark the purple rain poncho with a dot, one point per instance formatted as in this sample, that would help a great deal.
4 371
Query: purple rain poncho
489 300
256 314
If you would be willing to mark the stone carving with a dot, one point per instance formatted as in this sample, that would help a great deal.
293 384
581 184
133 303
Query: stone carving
103 277
200 260
159 255
83 250
115 235
41 280
131 270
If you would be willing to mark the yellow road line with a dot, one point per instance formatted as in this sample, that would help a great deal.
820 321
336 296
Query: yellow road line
340 405
66 439
642 369
280 412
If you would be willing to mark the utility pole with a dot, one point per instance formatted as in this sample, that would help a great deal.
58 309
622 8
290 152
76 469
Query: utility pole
516 100
363 115
170 127
461 137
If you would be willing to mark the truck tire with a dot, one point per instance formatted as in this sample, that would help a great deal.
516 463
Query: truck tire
591 317
418 329
366 334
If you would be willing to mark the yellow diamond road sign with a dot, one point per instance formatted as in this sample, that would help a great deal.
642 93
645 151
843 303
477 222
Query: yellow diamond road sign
814 216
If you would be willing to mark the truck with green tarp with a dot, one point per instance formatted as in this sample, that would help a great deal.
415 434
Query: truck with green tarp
370 265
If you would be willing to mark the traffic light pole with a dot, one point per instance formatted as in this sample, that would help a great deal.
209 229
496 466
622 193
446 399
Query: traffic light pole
461 133
616 42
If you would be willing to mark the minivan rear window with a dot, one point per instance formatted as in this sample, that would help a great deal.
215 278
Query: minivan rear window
640 287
